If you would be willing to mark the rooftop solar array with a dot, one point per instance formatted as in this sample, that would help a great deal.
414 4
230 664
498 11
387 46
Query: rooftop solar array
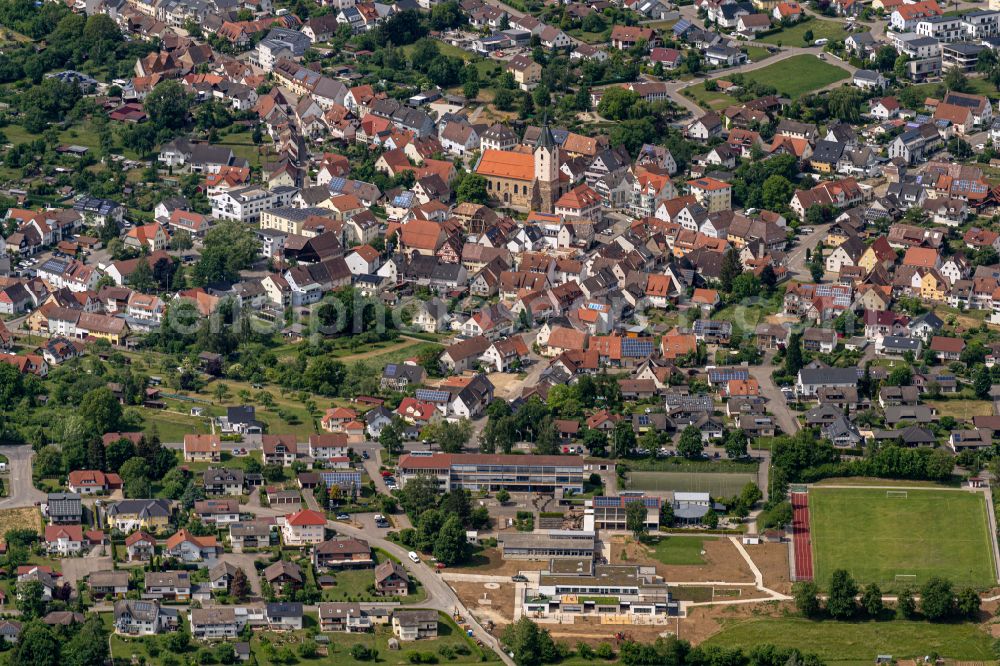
432 395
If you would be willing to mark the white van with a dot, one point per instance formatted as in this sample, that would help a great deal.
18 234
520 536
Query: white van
414 557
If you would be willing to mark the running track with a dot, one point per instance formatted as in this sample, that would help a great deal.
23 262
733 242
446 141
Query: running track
800 533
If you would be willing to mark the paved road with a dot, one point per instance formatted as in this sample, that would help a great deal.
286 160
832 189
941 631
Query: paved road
21 489
439 596
795 260
776 404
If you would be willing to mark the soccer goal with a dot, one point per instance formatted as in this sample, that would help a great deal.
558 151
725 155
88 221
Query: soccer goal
906 579
896 494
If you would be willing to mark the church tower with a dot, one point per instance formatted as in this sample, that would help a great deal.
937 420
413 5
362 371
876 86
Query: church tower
546 186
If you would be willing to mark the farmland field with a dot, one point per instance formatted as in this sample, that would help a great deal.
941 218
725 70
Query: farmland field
719 484
897 540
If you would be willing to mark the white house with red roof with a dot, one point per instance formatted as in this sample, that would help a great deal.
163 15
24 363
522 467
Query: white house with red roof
303 528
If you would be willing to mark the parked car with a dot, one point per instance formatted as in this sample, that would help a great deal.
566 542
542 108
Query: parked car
343 516
518 578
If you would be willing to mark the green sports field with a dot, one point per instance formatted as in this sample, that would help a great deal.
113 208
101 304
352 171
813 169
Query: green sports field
899 541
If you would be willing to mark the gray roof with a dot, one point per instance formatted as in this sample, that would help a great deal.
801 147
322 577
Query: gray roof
829 376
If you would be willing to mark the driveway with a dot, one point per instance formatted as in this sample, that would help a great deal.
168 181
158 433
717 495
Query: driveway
20 486
776 403
245 561
75 569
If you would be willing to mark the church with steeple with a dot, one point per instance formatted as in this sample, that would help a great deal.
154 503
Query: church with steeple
524 178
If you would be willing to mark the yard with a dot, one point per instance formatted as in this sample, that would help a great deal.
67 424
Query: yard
794 36
680 550
962 410
901 538
852 643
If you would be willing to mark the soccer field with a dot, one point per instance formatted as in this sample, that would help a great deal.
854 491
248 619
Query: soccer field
901 538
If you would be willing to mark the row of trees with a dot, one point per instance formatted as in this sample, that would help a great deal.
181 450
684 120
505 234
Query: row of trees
846 600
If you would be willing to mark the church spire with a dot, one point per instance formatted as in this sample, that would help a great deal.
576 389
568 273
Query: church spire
545 138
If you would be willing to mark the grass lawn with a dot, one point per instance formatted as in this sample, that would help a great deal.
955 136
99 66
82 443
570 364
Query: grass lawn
172 426
877 537
713 100
680 550
963 410
793 36
858 643
798 75
757 53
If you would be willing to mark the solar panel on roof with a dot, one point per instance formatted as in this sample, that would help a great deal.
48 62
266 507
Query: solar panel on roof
337 184
431 395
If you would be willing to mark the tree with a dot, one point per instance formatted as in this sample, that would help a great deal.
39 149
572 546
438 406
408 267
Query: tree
967 603
956 81
36 646
596 442
901 375
777 192
807 37
102 410
228 248
503 496
905 604
736 443
619 104
240 586
117 453
871 600
731 268
391 438
89 647
690 445
622 439
793 354
899 68
30 600
167 105
745 286
937 599
472 188
806 596
528 644
135 477
667 514
840 604
451 546
547 439
982 382
635 518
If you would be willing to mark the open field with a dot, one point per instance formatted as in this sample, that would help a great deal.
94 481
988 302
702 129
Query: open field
798 75
28 518
793 36
681 550
719 484
858 642
877 537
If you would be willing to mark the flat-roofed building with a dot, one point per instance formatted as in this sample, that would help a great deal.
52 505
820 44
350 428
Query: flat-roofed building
515 473
609 513
547 545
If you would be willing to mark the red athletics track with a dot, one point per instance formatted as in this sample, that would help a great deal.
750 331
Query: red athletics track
800 533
